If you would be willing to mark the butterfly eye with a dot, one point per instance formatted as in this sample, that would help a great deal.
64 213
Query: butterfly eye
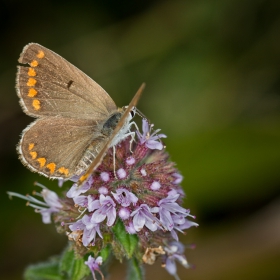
132 112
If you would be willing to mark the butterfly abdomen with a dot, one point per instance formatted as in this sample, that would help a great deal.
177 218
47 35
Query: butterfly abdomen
90 154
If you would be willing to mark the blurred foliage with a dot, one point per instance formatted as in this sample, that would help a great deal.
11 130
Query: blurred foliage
212 70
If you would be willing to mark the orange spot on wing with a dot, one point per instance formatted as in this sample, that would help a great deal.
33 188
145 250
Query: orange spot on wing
33 155
31 72
40 54
36 104
34 63
31 82
63 170
51 166
42 161
32 92
30 146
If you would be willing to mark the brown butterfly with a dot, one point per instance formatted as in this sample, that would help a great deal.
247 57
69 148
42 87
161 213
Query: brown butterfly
76 120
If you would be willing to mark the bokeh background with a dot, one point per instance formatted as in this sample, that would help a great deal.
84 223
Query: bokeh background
212 70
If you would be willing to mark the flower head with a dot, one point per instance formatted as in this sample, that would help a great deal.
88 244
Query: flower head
131 204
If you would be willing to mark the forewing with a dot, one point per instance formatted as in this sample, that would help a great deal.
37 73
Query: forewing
51 86
53 146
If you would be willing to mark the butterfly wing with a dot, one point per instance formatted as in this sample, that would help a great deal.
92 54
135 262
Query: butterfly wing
53 146
51 86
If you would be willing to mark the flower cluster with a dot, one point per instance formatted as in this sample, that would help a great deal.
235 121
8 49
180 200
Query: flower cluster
144 196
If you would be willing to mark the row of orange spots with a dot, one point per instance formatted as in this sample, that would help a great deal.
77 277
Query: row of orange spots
51 166
31 83
32 153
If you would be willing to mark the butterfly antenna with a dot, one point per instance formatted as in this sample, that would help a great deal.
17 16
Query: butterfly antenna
139 113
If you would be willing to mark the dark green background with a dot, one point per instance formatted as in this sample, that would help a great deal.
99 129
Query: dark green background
212 70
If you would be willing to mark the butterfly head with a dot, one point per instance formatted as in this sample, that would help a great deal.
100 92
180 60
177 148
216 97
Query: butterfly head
132 112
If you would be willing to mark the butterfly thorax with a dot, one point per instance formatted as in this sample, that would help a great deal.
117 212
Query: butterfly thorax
111 123
124 131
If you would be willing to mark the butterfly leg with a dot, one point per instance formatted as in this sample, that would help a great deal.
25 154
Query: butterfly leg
133 123
132 133
114 161
131 140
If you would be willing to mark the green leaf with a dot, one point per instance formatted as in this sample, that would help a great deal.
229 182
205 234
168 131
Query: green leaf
66 267
72 267
48 270
105 253
135 270
128 241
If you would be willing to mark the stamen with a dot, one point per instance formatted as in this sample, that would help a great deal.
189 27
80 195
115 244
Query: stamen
37 207
81 213
27 197
39 185
37 193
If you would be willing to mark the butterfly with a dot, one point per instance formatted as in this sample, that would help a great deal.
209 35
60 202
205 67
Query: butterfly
76 120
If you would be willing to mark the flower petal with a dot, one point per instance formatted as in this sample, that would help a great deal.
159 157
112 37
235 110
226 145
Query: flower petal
111 217
154 145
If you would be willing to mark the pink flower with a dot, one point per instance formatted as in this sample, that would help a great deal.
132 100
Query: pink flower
143 216
151 141
106 208
93 265
125 197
